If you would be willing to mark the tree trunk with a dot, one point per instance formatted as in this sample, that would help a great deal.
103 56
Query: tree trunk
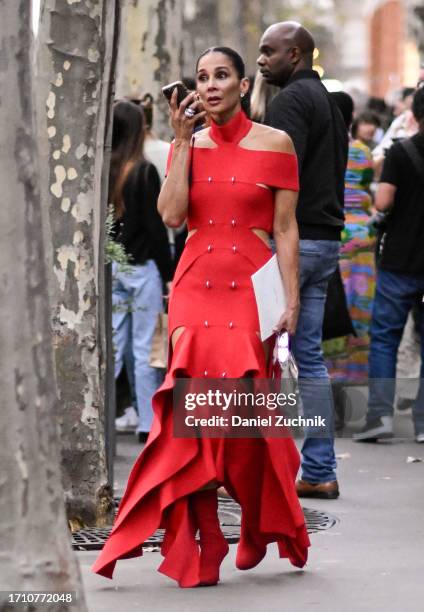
201 31
77 44
150 53
35 544
237 23
230 21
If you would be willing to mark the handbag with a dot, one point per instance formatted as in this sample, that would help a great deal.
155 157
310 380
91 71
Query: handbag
284 364
284 368
337 321
159 351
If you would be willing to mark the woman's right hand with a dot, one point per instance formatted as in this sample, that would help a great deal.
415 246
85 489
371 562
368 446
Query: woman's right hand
181 124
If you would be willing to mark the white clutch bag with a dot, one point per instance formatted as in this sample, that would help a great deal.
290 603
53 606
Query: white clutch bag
270 296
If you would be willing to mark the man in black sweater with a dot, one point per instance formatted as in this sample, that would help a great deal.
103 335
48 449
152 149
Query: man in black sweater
306 112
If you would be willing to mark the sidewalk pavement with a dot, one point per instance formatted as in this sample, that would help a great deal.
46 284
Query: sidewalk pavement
372 559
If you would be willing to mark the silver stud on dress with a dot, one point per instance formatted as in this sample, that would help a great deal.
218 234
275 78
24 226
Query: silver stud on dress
233 222
209 179
206 324
234 248
233 285
209 248
208 284
231 325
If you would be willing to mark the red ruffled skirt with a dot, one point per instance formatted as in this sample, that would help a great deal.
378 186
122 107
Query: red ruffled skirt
258 473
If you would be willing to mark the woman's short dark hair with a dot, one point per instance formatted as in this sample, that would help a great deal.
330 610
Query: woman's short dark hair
365 117
418 102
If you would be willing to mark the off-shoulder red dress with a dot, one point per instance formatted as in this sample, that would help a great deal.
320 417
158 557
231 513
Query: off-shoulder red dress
212 299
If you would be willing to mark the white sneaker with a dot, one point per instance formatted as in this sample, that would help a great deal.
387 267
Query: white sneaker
420 438
128 421
375 429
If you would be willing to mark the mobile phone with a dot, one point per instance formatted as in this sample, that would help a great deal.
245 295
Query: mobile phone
182 91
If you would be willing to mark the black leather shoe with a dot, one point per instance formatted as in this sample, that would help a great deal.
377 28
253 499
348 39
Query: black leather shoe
319 490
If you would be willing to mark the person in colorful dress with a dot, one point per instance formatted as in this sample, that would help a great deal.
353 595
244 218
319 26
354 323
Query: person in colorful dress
347 356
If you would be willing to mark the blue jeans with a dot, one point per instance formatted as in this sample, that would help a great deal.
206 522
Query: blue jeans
395 295
129 369
318 260
137 301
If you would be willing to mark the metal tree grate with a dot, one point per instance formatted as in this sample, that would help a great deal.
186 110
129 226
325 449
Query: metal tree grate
317 520
229 516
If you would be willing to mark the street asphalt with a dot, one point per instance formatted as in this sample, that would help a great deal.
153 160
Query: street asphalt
372 559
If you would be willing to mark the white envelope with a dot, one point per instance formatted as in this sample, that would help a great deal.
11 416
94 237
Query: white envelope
270 296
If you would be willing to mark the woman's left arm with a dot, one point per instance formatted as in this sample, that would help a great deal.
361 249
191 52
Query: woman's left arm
286 238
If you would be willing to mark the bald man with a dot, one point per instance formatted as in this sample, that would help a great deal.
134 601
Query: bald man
305 111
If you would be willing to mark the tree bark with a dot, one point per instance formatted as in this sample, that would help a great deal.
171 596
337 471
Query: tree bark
77 44
201 31
35 544
231 24
238 24
150 53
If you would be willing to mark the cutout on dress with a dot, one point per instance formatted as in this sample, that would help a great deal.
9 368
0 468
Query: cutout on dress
178 331
262 235
191 234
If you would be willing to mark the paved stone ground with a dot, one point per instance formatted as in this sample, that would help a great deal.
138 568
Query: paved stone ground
371 560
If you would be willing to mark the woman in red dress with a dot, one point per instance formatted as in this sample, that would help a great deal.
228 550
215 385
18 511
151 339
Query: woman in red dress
236 184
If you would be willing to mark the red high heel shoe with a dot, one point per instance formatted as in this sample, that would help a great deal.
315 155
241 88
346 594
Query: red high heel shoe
252 547
213 546
249 552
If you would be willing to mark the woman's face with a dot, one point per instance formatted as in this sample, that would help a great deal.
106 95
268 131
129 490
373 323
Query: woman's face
218 84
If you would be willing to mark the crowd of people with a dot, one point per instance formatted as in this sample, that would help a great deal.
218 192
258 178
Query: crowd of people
337 194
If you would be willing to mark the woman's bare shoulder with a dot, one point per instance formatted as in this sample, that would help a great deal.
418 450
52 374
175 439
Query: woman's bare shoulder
202 138
271 139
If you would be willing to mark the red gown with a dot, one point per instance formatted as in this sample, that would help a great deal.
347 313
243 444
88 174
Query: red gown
212 299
